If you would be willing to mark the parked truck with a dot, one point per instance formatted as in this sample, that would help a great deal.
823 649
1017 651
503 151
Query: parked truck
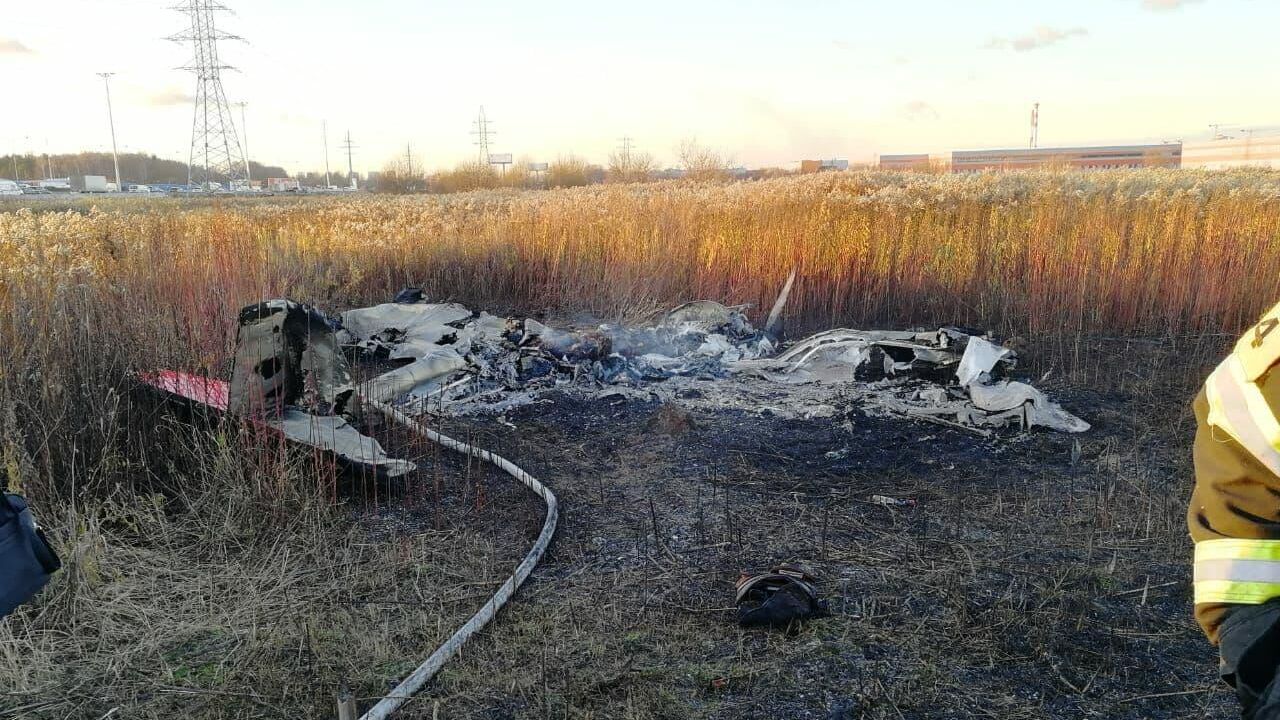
95 183
283 185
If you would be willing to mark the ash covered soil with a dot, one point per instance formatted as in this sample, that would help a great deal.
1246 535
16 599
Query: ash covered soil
1021 576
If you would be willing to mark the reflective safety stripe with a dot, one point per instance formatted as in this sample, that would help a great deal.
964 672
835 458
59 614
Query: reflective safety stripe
1237 407
1235 570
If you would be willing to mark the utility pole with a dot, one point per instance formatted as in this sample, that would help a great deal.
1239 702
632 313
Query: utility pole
1035 125
408 158
115 157
482 133
351 173
324 125
244 128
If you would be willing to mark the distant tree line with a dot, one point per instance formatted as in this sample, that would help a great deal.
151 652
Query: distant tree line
697 162
134 167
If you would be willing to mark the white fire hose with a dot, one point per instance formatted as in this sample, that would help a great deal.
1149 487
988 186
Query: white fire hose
419 677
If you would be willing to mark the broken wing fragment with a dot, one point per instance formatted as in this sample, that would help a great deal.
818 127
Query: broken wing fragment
980 356
334 434
1010 398
404 330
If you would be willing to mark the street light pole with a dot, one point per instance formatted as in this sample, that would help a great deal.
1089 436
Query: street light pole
248 176
115 157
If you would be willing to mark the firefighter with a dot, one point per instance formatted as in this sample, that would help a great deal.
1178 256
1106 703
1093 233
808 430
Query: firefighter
1234 516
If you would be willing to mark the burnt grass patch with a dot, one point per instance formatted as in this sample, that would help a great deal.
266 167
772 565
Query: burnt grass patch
1023 576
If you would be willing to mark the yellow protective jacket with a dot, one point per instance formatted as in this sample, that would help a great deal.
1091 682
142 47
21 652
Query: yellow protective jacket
1234 516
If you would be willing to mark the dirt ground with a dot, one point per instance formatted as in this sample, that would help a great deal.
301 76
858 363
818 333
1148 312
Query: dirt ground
1027 578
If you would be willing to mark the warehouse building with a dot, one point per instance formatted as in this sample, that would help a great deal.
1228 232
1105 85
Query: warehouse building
1223 153
1101 157
919 162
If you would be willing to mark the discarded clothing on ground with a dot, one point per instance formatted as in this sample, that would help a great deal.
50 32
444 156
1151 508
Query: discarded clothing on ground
465 363
778 598
27 560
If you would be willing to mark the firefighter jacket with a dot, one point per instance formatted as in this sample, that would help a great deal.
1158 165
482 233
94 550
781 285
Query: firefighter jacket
1234 516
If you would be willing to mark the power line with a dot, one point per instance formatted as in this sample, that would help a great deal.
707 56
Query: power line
111 118
215 148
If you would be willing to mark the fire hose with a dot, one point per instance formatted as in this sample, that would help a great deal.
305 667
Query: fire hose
429 667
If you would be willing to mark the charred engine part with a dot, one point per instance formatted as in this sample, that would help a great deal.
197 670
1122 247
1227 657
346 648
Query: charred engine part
778 598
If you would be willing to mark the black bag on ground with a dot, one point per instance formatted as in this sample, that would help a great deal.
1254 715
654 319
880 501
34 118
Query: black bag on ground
26 558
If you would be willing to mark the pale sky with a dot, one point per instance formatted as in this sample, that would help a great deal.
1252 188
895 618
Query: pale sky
766 82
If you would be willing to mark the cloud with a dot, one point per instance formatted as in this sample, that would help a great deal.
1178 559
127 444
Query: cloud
9 46
170 96
920 110
1165 5
1042 36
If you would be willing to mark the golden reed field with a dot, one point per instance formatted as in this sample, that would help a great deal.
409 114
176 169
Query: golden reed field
1052 257
1090 270
1150 252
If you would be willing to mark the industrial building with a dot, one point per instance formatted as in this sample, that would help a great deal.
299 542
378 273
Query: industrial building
813 166
1247 150
919 162
1231 152
1101 157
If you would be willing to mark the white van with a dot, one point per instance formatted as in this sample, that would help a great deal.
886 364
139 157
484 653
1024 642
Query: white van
9 187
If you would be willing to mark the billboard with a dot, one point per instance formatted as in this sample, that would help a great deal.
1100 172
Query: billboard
538 167
500 159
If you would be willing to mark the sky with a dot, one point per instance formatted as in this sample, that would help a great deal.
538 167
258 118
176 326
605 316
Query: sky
767 83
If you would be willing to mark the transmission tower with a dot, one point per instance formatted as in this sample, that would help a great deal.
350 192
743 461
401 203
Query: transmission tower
349 146
626 148
215 148
482 133
1035 125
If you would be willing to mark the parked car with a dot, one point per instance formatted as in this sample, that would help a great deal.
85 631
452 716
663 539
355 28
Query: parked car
34 190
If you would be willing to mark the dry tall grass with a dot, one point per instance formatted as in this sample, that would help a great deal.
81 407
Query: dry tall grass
1150 252
89 293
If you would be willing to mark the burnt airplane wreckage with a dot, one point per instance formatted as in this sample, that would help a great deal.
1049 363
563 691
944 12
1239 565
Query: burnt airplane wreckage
701 354
291 379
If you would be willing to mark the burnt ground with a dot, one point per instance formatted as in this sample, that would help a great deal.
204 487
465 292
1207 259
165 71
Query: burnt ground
1025 577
